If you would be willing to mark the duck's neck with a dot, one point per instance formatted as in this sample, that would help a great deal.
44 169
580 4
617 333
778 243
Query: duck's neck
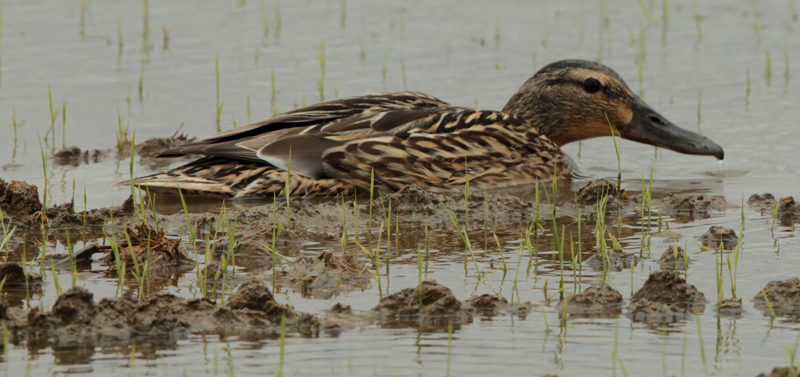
551 121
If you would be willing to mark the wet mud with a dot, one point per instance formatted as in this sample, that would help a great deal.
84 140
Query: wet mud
325 275
783 296
674 259
612 260
16 279
718 237
433 306
665 298
146 246
151 240
76 319
786 210
782 372
594 302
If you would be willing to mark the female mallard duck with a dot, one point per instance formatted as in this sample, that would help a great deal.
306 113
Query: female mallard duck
334 147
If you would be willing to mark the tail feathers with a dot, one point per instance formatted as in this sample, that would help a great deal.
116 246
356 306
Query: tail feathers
169 184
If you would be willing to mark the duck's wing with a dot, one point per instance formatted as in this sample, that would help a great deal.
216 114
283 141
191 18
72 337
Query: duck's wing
307 132
300 121
445 149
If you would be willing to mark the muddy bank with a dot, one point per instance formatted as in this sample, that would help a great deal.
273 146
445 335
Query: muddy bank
20 204
76 319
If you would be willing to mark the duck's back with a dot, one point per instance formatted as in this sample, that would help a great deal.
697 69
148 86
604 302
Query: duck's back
336 147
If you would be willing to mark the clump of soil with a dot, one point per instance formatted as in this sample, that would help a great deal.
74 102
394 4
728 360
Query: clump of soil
697 203
596 190
665 298
674 260
17 279
327 274
63 216
731 308
73 156
788 209
784 296
76 319
718 237
594 302
614 260
428 304
685 207
152 147
19 201
782 372
490 305
148 244
764 202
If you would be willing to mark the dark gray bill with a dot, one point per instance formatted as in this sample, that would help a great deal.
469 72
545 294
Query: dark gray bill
649 127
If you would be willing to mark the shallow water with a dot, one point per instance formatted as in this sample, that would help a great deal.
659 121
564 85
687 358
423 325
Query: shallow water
463 52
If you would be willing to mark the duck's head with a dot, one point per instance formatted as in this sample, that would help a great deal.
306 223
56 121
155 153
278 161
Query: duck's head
572 100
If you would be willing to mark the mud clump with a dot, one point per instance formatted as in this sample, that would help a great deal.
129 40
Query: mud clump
674 259
428 304
665 298
686 207
594 302
784 297
148 245
731 307
763 202
788 211
19 201
614 260
698 203
596 190
74 156
781 372
76 319
18 280
255 295
490 305
327 274
152 147
718 237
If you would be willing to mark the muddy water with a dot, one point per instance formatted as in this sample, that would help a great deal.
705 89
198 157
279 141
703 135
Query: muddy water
698 56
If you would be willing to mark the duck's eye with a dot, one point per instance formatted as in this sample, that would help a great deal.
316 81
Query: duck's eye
592 85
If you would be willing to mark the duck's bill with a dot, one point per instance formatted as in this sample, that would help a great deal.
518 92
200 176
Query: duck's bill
649 127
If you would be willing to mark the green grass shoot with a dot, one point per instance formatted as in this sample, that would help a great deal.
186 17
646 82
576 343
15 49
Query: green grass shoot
321 57
216 81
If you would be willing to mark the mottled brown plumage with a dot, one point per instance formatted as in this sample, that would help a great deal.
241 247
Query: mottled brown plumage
335 147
